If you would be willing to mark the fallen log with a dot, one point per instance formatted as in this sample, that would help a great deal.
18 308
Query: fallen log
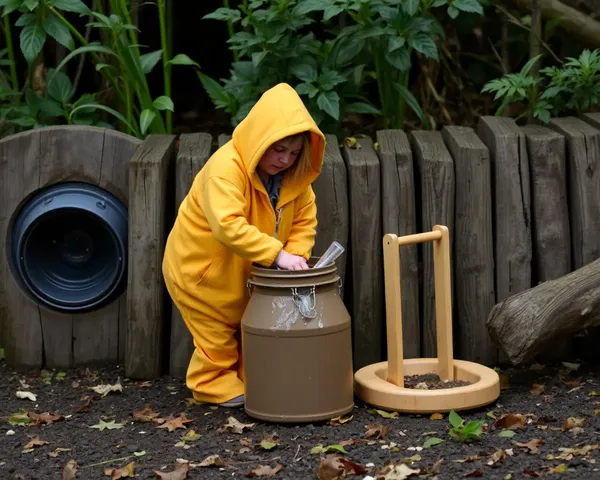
530 322
579 25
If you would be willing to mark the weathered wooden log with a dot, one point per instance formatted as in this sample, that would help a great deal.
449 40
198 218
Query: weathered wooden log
435 174
531 322
331 192
366 253
194 151
576 23
473 259
399 218
149 207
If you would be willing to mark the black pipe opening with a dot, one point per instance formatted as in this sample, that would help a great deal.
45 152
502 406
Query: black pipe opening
69 247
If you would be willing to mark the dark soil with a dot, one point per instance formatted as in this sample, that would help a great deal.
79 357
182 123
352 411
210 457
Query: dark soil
431 381
549 409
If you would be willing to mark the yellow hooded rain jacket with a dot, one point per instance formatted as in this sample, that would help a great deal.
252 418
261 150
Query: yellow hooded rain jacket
225 224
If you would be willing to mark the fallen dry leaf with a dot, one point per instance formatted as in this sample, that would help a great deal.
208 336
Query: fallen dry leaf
531 445
44 418
396 471
468 459
376 430
571 366
172 423
269 441
474 473
383 413
104 389
496 457
436 416
562 468
569 453
180 472
212 461
57 451
70 471
34 442
117 473
26 395
86 406
145 415
531 473
264 471
511 421
341 420
572 422
348 443
435 469
235 426
570 383
112 425
334 467
537 389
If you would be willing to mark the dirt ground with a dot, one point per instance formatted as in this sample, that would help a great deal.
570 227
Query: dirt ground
92 424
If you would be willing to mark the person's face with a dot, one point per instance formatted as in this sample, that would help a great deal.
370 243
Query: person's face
281 155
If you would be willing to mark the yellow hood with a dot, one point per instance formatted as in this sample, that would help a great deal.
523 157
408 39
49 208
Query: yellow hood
278 113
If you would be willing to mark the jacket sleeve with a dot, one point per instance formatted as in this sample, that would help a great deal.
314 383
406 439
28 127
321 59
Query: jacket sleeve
223 204
301 239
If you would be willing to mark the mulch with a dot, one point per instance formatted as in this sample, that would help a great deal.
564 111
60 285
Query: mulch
544 425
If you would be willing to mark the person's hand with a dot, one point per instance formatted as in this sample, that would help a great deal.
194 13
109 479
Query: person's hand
287 261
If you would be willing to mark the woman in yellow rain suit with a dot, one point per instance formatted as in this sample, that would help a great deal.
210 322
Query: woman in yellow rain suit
251 203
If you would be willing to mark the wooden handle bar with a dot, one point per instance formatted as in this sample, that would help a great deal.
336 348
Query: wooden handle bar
415 238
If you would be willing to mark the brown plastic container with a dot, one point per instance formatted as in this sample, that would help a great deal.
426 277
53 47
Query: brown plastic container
298 365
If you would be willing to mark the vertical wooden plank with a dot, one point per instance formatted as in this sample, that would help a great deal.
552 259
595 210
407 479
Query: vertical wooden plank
366 252
149 175
194 151
473 258
331 191
20 157
512 210
117 150
583 167
435 171
551 232
399 218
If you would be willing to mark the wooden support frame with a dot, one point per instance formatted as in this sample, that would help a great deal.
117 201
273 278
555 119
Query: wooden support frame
443 301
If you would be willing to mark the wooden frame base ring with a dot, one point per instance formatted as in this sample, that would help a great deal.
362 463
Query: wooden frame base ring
371 386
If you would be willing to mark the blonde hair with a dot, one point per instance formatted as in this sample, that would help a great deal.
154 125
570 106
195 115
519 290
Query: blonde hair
302 165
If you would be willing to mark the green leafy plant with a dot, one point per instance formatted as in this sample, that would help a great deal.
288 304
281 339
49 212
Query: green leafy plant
58 106
120 60
332 75
575 86
520 87
469 432
571 88
271 49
